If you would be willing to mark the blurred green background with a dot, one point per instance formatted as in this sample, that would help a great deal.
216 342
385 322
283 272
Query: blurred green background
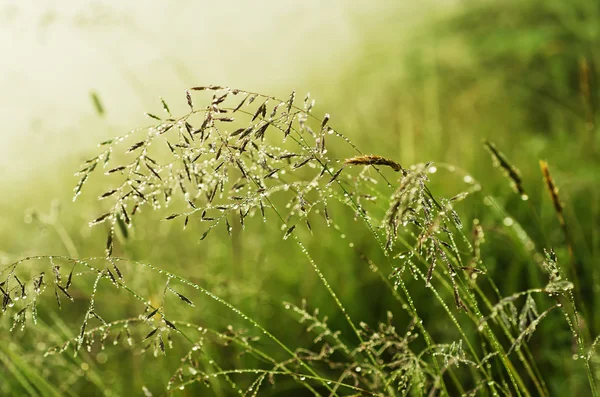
413 82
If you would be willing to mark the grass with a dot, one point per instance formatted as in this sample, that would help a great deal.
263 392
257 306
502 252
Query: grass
436 278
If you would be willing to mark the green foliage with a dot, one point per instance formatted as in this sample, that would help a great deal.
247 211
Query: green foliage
218 233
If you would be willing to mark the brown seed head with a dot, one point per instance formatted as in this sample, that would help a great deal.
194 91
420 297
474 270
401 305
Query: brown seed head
370 159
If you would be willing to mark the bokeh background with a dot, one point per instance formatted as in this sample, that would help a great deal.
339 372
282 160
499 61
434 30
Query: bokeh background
413 81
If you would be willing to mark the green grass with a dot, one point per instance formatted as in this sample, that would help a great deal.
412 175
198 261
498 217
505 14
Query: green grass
520 74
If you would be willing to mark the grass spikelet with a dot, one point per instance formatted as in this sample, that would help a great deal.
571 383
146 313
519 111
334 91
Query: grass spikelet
288 232
97 103
558 209
153 116
182 297
152 313
553 190
188 97
511 171
335 176
371 159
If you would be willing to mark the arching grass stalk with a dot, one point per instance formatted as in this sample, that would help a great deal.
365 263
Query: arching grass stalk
239 313
302 377
457 260
407 294
321 275
301 141
264 357
355 207
574 325
102 274
334 297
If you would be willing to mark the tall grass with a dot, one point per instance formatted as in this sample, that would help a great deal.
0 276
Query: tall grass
239 165
429 279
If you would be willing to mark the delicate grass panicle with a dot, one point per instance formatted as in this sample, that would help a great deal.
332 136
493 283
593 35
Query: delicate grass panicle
511 171
236 155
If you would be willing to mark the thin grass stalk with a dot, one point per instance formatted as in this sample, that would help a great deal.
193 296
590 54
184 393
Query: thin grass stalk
183 281
405 290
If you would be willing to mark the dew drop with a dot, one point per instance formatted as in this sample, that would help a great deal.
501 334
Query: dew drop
508 221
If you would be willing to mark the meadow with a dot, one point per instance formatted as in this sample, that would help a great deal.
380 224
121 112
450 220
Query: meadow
423 224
